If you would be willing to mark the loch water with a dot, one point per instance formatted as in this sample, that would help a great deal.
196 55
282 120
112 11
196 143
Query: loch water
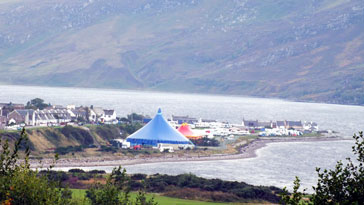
276 164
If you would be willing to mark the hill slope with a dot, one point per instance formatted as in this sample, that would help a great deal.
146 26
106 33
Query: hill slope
302 50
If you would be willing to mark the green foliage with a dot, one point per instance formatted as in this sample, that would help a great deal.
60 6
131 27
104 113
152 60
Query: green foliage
135 117
20 185
240 190
141 199
116 191
68 149
104 148
131 128
36 103
14 136
206 142
54 176
342 185
296 197
76 171
95 171
108 131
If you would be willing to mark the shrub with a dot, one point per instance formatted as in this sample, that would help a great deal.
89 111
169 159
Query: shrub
241 190
20 185
343 185
206 142
104 148
138 176
116 191
76 171
66 150
97 171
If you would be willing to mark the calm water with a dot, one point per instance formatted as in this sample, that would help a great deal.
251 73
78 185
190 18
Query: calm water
345 119
276 164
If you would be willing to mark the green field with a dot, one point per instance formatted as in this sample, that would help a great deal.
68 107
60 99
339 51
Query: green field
162 200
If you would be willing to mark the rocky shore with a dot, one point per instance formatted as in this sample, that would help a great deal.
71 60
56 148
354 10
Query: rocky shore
247 151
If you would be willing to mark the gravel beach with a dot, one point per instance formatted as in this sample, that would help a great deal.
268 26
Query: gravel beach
247 151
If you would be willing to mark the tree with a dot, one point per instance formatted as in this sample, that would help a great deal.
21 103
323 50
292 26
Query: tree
36 103
135 117
296 197
19 184
343 185
116 191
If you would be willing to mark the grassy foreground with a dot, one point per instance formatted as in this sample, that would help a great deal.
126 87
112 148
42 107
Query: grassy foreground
162 200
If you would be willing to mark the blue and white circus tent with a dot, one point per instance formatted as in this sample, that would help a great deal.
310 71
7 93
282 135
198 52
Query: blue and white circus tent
158 131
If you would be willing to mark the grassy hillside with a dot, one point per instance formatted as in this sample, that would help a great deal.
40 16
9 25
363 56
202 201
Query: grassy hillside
46 140
301 50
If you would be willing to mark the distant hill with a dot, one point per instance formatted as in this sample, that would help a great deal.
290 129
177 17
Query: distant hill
310 50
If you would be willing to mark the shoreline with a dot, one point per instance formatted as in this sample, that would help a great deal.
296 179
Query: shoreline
247 151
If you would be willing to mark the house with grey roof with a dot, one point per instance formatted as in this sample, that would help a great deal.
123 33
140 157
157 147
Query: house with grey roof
297 125
99 112
14 117
281 124
60 114
250 123
28 115
110 115
80 113
184 119
45 117
6 108
264 124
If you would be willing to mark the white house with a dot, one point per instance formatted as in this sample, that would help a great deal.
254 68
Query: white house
71 107
312 126
110 115
100 114
60 114
92 116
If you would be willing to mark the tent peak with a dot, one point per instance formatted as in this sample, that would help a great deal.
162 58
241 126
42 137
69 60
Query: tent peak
159 111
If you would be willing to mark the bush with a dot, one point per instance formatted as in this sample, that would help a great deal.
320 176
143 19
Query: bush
343 185
104 148
97 171
206 142
131 128
138 176
54 176
76 171
116 191
108 131
241 190
20 185
69 149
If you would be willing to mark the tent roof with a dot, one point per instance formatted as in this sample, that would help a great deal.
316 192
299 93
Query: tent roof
157 131
185 130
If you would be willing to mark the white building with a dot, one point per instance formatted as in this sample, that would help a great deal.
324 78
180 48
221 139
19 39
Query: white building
110 115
